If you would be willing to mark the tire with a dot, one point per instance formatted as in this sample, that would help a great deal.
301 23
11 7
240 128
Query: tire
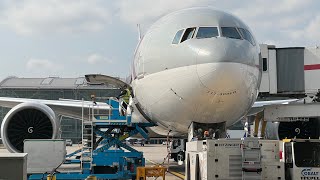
182 155
175 158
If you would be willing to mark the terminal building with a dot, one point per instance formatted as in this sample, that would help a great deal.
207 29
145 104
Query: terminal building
54 88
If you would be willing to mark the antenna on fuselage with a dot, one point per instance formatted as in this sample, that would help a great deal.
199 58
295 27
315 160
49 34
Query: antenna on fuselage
139 31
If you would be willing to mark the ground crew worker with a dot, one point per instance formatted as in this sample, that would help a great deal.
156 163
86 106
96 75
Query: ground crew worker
125 97
259 118
206 134
93 98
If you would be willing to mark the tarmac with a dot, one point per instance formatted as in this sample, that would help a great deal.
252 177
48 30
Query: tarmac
153 153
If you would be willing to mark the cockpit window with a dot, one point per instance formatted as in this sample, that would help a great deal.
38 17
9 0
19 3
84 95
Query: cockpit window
207 32
188 34
247 35
230 32
177 37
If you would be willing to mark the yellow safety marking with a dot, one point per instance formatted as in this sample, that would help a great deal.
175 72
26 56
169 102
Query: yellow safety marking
177 174
286 140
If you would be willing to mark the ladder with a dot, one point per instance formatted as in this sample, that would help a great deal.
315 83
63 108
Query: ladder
251 159
87 139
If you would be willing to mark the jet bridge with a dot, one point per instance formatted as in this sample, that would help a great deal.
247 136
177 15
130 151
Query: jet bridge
290 71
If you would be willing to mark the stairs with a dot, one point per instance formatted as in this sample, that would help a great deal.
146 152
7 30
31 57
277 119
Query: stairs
251 159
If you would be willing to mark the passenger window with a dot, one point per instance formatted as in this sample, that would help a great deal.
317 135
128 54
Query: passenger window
230 32
177 37
247 35
188 34
207 32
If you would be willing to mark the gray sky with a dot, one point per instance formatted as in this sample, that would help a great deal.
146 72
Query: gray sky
70 38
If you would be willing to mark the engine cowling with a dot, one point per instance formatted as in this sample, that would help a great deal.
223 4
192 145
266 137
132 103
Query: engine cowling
297 129
28 121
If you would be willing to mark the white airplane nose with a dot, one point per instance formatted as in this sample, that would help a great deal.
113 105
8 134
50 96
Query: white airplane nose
223 65
221 76
225 84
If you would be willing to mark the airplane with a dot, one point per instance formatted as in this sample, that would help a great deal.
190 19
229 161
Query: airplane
197 65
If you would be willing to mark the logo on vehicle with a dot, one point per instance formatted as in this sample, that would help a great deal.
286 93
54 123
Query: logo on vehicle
308 172
30 130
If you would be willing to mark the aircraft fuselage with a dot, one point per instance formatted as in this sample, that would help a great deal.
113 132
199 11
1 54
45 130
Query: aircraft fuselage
209 72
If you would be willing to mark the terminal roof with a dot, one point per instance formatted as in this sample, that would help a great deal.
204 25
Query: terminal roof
51 83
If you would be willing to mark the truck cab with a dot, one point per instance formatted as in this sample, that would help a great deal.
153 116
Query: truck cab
301 158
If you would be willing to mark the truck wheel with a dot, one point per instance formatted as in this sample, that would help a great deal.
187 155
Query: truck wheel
181 156
175 158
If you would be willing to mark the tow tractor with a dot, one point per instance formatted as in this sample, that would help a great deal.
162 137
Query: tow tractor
105 155
253 159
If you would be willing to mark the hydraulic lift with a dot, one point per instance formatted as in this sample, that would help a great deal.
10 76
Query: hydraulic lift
104 153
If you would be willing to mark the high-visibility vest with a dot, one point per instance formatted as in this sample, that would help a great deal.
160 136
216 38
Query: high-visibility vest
126 97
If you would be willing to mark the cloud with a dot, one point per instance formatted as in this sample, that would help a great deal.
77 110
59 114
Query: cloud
54 16
279 21
309 32
143 11
271 20
271 8
98 59
313 29
42 65
146 11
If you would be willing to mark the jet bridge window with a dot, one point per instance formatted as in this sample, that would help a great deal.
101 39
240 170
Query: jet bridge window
264 64
188 34
207 32
230 32
247 35
177 37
